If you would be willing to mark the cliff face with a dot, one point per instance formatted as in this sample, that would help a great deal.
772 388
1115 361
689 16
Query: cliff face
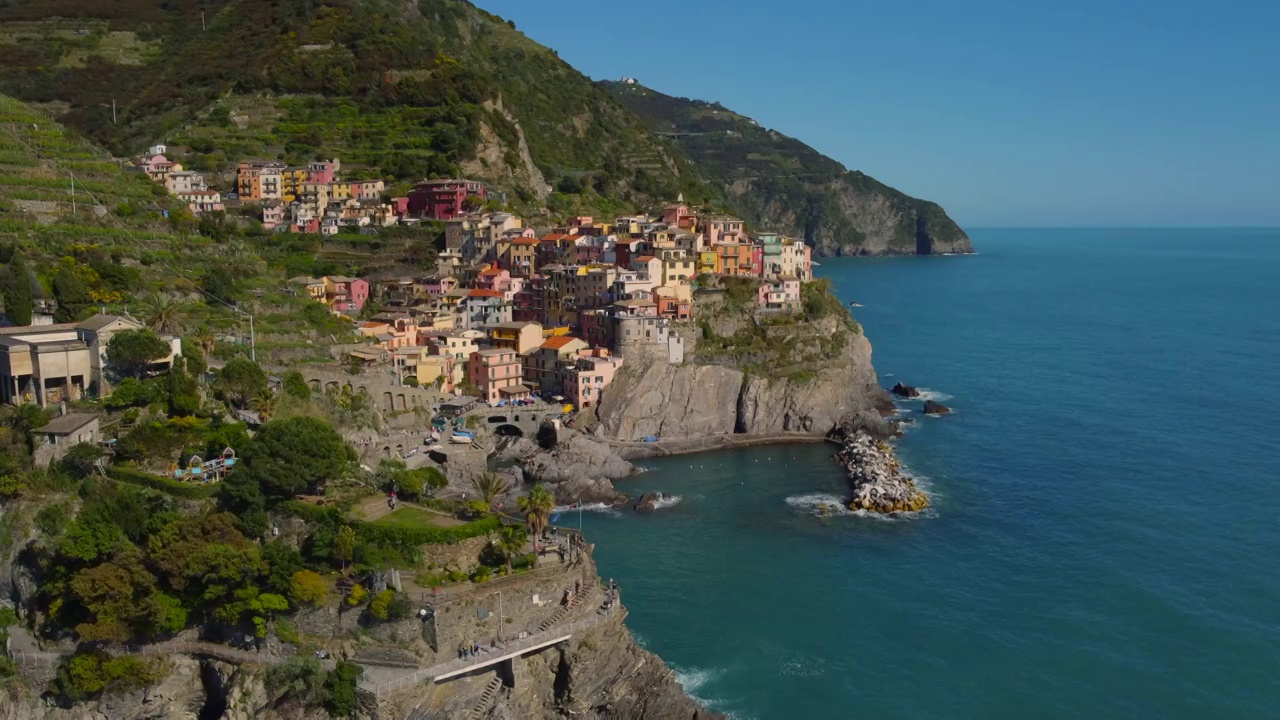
781 184
821 378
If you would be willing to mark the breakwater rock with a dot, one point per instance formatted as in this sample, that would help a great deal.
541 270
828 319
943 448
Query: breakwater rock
876 478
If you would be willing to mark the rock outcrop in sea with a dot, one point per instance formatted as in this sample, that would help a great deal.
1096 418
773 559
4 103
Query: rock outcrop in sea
876 478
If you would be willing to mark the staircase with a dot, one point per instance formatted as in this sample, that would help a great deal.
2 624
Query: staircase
486 699
563 610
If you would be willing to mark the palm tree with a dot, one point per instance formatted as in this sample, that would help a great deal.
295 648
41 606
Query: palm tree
511 541
489 486
163 314
265 403
537 506
204 339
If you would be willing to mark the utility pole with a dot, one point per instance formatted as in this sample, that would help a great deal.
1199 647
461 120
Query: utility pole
253 342
202 26
73 193
113 111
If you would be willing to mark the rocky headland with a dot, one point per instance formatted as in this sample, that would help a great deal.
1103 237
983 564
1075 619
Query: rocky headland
876 480
748 376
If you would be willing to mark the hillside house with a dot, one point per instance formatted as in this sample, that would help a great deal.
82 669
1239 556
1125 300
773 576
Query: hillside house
498 375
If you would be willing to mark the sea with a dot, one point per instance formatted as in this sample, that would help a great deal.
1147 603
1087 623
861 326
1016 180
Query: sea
1104 540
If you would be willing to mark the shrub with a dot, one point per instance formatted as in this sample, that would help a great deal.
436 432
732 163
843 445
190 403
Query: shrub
308 588
88 675
340 689
380 605
52 520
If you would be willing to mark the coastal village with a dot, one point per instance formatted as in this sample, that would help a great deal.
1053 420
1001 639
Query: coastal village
518 330
512 312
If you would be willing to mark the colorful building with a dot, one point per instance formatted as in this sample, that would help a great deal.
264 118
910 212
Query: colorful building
444 199
498 375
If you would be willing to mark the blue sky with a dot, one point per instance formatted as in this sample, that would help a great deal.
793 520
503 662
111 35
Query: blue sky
1007 112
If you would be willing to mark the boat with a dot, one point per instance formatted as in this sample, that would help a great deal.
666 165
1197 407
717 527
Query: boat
854 304
462 437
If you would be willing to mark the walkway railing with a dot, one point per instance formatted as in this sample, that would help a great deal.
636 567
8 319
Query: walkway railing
487 656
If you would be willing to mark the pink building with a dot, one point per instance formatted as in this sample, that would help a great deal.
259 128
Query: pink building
780 294
498 374
494 279
322 172
672 214
585 380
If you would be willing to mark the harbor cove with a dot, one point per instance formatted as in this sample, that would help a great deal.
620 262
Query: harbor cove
1102 538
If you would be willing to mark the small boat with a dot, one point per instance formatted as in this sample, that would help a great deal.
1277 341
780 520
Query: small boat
462 438
854 304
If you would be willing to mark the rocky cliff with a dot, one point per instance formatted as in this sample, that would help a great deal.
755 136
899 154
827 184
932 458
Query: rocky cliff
781 184
750 375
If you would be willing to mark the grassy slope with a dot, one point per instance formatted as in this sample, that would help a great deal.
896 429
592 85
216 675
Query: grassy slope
762 169
397 87
135 252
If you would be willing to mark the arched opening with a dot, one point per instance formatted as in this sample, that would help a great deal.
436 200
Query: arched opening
386 451
400 402
495 419
315 384
331 386
400 450
347 388
508 430
386 401
363 390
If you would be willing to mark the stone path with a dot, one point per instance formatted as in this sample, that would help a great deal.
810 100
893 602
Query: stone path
486 699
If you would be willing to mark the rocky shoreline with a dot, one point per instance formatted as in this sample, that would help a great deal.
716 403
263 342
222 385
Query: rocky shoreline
876 478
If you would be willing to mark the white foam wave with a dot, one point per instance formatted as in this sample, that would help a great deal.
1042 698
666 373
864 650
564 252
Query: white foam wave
934 395
819 503
588 507
694 678
666 501
826 505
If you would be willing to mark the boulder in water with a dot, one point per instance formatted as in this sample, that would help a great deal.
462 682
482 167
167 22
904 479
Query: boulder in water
648 503
932 407
905 391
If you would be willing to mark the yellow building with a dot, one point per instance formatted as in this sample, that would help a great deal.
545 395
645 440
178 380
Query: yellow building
292 181
708 262
519 336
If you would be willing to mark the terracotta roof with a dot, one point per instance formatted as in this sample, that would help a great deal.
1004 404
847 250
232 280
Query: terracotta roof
491 271
556 237
645 258
558 342
524 241
480 292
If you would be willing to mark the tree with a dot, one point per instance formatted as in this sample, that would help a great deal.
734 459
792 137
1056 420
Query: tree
240 381
184 391
308 588
163 314
241 494
489 486
340 690
290 456
132 352
80 461
344 546
296 386
380 605
283 562
17 292
537 507
511 541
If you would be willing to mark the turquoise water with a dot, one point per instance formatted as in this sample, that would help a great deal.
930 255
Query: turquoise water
1106 535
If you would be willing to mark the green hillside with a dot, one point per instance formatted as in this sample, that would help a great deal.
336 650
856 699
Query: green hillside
778 182
121 243
402 90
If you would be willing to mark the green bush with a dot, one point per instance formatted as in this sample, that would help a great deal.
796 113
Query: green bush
163 484
340 690
88 675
